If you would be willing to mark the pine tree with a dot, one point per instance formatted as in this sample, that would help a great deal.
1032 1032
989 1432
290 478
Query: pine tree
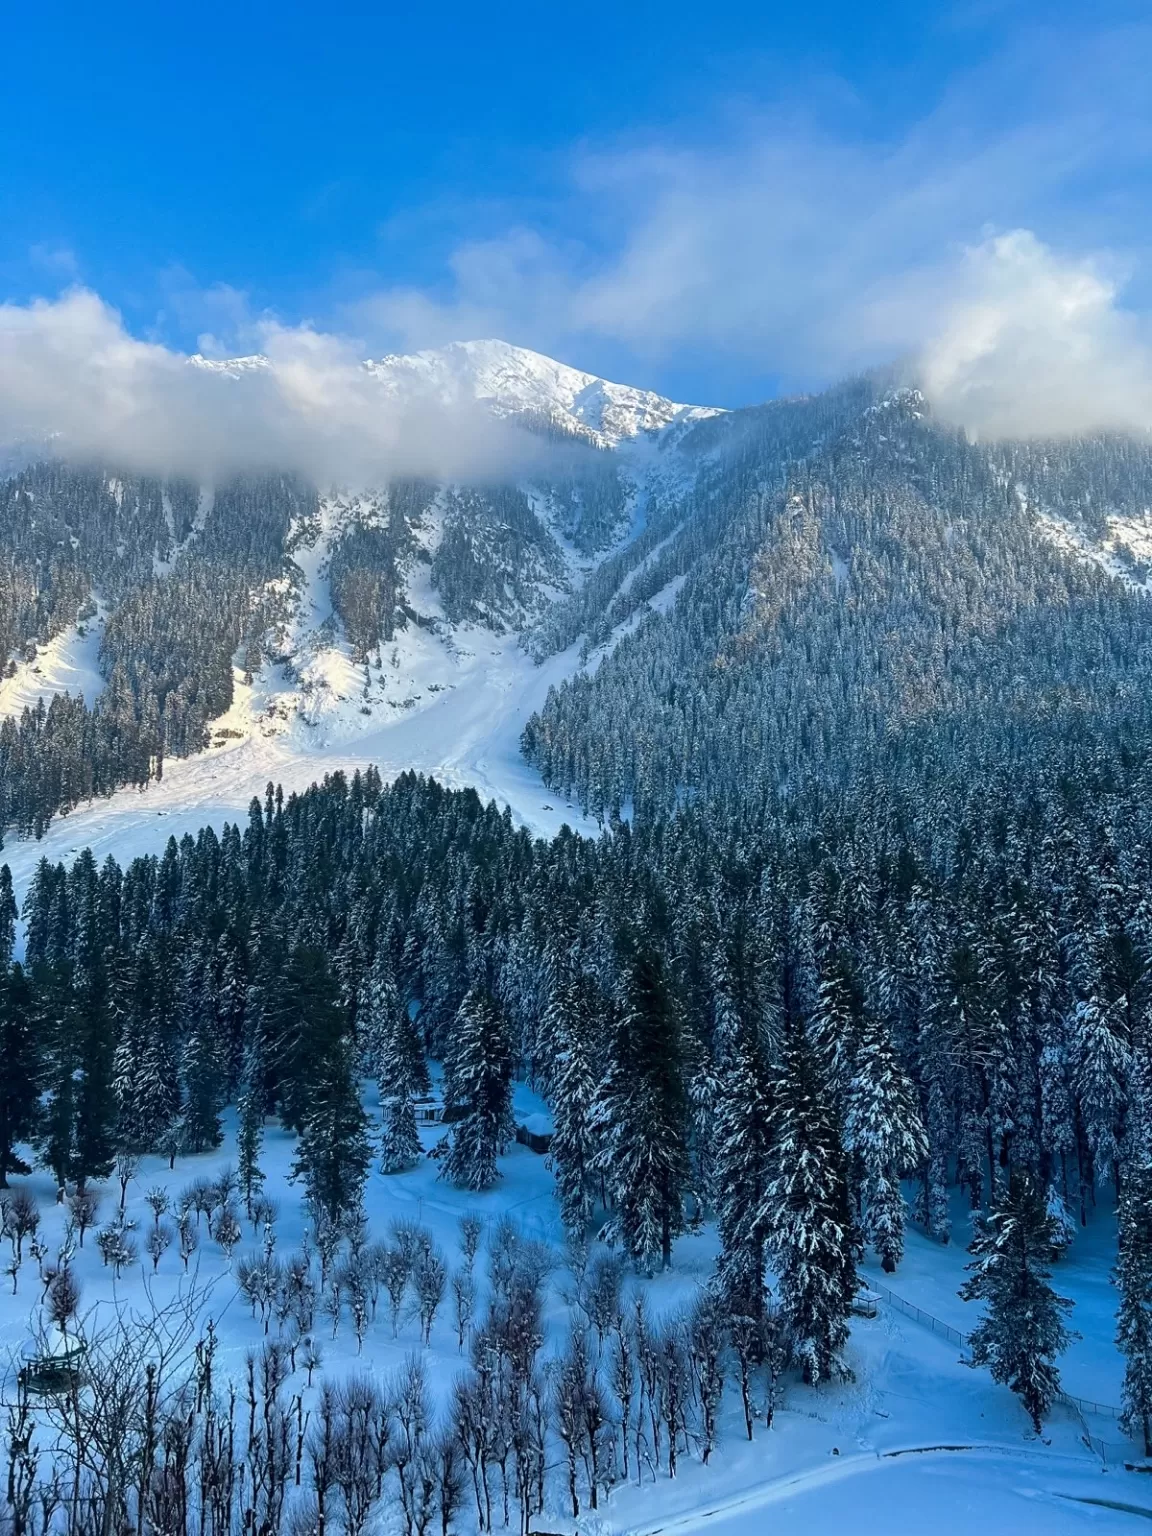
203 1063
19 1070
1133 1276
1022 1331
1101 1080
807 1213
884 1132
480 1085
642 1120
56 1025
250 1136
7 918
333 1153
571 1024
397 1057
742 1163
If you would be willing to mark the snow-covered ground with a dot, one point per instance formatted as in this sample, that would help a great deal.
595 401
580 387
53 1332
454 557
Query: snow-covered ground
918 1442
458 714
67 664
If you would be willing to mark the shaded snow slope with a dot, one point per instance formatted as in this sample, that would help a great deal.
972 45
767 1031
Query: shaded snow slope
65 664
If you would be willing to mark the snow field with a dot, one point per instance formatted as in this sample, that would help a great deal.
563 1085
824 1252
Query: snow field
918 1441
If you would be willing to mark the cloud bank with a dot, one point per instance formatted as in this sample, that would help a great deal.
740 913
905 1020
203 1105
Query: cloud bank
1034 344
1003 238
997 237
73 376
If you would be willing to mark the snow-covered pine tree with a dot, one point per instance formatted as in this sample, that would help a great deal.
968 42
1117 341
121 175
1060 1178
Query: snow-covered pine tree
573 1026
807 1213
203 1063
742 1159
883 1131
7 918
333 1153
642 1120
396 1053
1133 1277
250 1111
1023 1331
1102 1068
480 1086
19 1068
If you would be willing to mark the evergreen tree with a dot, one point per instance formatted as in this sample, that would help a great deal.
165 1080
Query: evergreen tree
572 1025
333 1153
743 1140
1101 1081
480 1087
1134 1318
884 1132
397 1056
7 918
19 1070
203 1062
1022 1331
56 1026
250 1135
642 1119
807 1213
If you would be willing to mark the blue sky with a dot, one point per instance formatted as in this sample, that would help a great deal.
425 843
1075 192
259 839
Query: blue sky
715 200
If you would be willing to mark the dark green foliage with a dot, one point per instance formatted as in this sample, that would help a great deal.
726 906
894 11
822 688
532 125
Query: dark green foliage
480 1088
807 1214
1134 1317
1022 1331
642 1118
19 1071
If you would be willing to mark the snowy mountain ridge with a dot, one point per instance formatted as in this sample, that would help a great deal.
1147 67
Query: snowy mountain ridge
514 381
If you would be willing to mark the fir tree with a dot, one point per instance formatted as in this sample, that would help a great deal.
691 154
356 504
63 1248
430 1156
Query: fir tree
19 1070
7 918
883 1130
642 1120
333 1153
250 1135
56 1025
807 1213
480 1086
203 1064
572 1026
397 1057
1022 1331
742 1132
1134 1318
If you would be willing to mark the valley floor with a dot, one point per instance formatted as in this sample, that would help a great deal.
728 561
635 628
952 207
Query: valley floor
919 1441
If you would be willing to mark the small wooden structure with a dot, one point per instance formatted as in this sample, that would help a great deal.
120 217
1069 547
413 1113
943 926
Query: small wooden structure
56 1369
429 1109
535 1132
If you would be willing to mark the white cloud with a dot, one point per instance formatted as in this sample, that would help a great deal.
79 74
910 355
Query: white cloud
797 250
1034 343
71 372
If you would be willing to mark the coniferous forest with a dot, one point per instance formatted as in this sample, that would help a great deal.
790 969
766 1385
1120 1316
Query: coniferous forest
868 926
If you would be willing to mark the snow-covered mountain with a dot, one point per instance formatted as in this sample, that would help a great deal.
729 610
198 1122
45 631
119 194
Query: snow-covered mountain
514 382
409 624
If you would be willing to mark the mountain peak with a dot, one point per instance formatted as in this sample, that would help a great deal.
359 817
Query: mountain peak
514 381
